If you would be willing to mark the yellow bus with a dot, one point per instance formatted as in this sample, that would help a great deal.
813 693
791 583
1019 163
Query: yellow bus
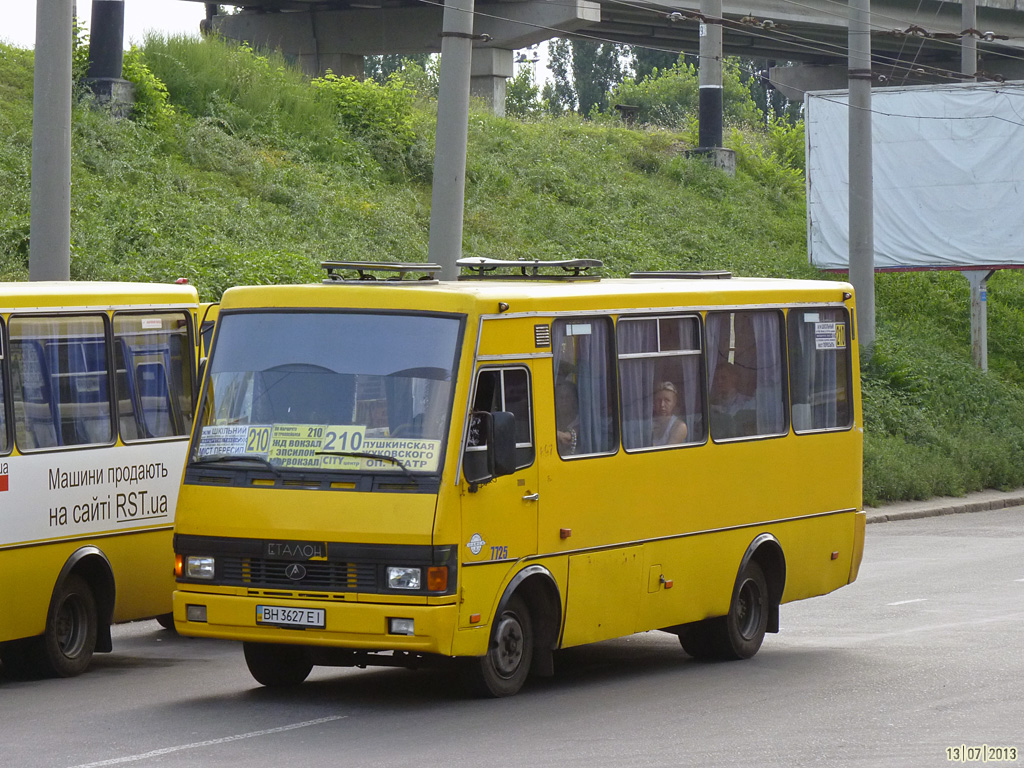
387 468
96 405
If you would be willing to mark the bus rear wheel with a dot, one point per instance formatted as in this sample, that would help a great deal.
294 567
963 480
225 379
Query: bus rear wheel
505 667
277 666
738 634
68 642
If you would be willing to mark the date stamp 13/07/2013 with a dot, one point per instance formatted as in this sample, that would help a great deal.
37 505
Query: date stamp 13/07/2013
981 753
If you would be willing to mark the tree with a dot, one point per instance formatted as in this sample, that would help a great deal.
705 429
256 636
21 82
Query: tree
583 72
380 68
646 60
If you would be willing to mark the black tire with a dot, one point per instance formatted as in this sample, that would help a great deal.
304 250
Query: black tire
506 666
739 634
68 642
277 666
698 639
16 657
744 627
166 620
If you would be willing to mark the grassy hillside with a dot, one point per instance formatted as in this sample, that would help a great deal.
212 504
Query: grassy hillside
237 170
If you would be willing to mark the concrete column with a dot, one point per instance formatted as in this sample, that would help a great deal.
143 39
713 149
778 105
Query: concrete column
489 70
447 201
49 250
862 212
106 58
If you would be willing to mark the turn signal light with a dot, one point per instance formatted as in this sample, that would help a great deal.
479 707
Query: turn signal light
179 565
437 578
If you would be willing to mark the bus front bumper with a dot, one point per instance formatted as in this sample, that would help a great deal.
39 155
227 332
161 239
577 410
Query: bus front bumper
353 625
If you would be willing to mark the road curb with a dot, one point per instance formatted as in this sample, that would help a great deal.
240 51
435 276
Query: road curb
981 501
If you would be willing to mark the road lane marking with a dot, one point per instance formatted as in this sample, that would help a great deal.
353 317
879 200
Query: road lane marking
905 602
209 743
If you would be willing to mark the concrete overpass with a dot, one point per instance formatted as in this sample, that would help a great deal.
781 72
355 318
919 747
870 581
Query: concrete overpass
912 42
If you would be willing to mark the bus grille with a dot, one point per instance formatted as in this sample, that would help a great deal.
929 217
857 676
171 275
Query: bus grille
320 575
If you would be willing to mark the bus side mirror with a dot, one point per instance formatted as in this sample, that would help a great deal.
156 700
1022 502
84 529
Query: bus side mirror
503 443
490 446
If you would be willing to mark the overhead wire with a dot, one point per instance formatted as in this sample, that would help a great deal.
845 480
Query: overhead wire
596 38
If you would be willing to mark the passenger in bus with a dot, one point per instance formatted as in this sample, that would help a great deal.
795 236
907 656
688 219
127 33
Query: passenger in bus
733 411
567 418
667 428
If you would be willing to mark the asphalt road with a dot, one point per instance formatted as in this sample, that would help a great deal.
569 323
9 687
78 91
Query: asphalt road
924 652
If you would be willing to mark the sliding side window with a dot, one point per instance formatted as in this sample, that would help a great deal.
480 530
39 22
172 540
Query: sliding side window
819 359
60 381
661 378
747 371
153 356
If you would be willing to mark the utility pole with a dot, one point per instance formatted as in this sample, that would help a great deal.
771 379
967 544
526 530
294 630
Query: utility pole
710 103
978 279
448 193
49 250
862 227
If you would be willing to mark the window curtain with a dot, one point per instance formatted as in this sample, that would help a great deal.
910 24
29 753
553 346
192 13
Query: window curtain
637 336
771 417
585 359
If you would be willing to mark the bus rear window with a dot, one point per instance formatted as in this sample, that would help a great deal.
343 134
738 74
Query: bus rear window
330 390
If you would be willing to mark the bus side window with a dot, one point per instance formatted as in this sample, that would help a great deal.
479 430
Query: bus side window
154 374
819 355
661 381
33 416
508 389
5 437
62 374
746 368
586 422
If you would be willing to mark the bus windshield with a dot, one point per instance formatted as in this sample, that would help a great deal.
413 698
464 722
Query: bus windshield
329 391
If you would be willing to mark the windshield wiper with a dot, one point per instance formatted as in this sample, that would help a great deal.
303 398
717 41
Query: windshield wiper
362 455
218 457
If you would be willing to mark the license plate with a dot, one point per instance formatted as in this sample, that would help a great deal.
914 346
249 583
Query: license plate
281 616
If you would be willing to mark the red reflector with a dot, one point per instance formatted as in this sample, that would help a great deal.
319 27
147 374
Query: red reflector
474 618
181 281
835 555
565 533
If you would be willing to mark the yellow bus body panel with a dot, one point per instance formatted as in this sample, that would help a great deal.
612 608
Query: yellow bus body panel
34 548
630 541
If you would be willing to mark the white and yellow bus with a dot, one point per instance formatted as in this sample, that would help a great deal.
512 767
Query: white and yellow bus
388 470
96 405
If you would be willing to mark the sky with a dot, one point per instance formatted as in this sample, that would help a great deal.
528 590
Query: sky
18 19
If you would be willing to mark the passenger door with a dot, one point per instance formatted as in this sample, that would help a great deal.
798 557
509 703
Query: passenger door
499 517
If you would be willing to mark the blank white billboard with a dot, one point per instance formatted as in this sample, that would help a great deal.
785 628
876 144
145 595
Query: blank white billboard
948 167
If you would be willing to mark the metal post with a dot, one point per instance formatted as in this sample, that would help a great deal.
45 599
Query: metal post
862 228
49 250
969 43
978 278
106 40
710 103
449 187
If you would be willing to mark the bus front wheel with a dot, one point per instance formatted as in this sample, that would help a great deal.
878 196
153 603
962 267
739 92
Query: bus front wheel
503 670
68 642
277 666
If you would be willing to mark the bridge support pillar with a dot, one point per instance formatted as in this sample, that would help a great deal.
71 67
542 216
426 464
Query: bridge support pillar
489 70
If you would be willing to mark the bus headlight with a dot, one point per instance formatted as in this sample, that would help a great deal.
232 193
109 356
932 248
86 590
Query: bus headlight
199 567
403 578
